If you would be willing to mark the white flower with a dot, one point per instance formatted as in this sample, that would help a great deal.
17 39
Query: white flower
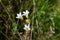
26 13
27 27
19 16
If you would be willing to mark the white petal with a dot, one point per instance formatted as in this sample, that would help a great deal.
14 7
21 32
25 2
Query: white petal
24 28
17 17
28 28
17 14
29 25
25 25
27 11
24 12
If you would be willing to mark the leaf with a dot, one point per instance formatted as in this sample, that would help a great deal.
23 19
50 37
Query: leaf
14 27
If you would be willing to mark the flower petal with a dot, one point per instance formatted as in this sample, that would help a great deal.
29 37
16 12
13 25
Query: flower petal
18 17
26 12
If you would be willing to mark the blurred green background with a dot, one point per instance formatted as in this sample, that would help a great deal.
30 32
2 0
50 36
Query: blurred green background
44 18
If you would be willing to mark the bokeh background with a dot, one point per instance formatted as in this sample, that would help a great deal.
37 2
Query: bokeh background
44 19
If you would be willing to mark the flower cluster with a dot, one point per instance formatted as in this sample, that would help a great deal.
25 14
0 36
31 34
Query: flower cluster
27 21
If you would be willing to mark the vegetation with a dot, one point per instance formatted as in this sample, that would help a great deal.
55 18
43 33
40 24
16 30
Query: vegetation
44 18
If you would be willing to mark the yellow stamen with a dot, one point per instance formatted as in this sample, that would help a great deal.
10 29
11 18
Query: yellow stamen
27 29
27 21
21 18
27 16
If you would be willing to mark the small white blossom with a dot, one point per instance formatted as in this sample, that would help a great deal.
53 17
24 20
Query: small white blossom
26 13
27 27
19 15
